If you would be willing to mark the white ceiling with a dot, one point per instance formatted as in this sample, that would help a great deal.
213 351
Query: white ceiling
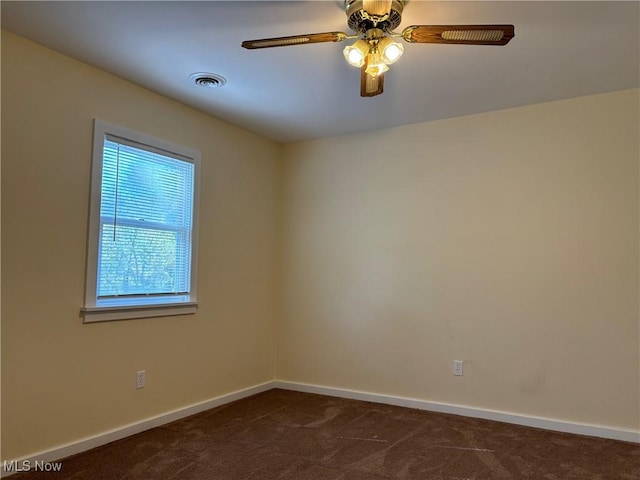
288 94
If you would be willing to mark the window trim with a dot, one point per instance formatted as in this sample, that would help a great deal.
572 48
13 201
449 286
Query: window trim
91 312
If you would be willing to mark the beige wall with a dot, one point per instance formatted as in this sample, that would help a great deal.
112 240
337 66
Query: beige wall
62 380
508 240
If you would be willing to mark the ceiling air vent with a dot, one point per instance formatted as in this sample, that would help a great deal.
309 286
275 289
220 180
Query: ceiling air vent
208 80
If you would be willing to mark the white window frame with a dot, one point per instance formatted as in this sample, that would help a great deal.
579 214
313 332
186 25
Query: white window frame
91 312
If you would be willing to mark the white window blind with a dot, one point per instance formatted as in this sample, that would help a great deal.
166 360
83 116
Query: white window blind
145 222
143 227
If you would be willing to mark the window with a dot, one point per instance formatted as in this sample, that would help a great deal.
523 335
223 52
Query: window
142 227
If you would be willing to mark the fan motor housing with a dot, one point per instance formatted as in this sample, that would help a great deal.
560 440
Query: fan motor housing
359 21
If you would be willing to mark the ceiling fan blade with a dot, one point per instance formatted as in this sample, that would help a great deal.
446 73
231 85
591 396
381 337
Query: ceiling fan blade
295 40
459 34
378 8
370 86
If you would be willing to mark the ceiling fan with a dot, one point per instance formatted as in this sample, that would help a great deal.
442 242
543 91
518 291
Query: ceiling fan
375 48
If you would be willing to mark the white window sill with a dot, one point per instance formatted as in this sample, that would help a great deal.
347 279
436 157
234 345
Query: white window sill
105 314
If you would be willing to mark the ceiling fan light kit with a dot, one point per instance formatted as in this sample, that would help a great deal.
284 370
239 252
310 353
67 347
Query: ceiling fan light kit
356 53
390 50
374 50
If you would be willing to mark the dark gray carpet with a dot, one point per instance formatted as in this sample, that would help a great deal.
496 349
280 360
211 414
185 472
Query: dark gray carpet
296 436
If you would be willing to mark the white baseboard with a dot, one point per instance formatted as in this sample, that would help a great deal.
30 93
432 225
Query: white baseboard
88 443
131 429
537 422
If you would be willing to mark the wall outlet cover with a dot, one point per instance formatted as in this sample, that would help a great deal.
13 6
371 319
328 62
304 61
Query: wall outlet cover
458 368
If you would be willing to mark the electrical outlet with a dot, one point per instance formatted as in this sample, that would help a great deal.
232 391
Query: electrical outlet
140 378
458 368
